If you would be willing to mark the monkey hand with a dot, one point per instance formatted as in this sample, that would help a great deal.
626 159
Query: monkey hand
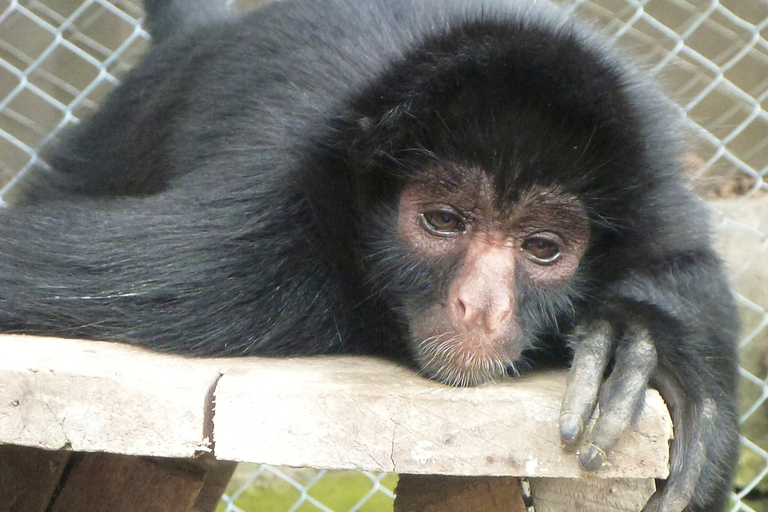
618 399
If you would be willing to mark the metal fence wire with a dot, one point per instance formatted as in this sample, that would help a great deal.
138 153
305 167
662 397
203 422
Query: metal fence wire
59 58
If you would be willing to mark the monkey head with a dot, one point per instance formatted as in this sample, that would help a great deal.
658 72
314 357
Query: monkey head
480 266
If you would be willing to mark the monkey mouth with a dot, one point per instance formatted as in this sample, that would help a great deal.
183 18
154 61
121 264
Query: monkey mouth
462 360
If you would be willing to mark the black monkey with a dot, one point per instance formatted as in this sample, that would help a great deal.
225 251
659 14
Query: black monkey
467 185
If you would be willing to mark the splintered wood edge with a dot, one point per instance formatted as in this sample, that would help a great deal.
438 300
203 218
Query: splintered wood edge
328 412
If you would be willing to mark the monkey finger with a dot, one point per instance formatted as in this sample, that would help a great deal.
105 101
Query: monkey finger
621 396
592 347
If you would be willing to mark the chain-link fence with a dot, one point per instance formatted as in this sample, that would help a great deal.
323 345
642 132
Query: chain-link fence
59 58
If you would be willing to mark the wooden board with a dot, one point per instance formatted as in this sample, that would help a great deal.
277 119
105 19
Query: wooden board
366 414
105 482
331 412
604 495
430 493
437 493
29 477
89 396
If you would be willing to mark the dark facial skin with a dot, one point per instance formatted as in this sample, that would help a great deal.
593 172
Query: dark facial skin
474 332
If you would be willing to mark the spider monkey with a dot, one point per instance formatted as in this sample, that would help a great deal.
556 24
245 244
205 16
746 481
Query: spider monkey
469 186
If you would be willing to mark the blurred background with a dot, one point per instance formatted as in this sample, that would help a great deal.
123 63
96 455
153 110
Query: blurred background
60 58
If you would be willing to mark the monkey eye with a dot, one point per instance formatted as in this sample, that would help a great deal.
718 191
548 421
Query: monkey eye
542 250
443 223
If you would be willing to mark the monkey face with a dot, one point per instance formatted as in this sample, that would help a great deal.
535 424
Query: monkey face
451 217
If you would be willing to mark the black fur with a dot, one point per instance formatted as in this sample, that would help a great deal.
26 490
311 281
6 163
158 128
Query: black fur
167 18
237 194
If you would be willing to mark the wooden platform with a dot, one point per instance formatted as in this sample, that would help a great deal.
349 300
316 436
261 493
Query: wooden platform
331 412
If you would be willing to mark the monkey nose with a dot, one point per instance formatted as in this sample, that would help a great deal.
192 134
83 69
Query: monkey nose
491 313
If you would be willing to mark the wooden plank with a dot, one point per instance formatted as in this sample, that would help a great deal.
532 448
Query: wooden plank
430 493
34 480
28 477
105 482
366 414
331 412
90 396
595 495
217 475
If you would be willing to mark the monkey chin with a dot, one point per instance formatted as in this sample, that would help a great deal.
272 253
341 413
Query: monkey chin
466 359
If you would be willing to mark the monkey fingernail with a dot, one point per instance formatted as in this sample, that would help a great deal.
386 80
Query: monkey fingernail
591 457
571 427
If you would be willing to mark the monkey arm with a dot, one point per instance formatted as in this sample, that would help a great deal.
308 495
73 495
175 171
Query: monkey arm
661 327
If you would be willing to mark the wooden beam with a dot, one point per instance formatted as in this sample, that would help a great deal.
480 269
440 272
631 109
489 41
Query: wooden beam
361 413
90 396
217 475
594 495
106 482
34 480
29 477
329 412
435 493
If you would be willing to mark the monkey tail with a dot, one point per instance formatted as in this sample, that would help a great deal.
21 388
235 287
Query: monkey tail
166 18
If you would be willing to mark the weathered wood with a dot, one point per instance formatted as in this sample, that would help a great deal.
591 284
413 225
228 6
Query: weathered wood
105 482
34 480
90 396
217 475
332 412
359 413
431 493
28 477
594 495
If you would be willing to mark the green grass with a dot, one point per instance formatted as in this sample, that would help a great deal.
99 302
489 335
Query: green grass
337 490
